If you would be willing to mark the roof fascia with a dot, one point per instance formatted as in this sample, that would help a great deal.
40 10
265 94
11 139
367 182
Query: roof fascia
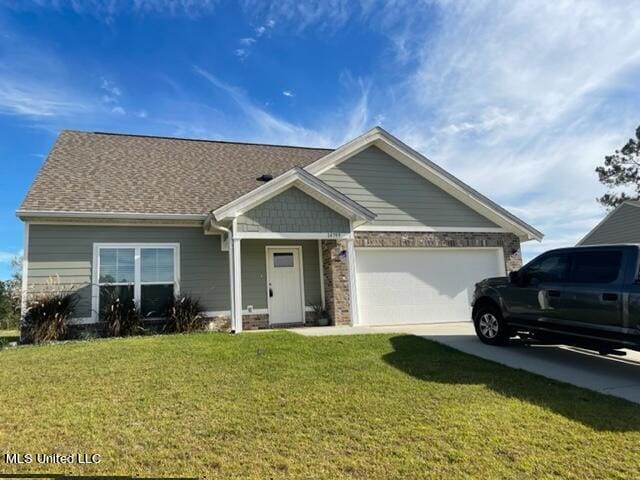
26 214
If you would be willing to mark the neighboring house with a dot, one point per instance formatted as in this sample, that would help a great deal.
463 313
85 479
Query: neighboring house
373 230
621 225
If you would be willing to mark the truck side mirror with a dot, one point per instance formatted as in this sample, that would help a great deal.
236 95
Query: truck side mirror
515 278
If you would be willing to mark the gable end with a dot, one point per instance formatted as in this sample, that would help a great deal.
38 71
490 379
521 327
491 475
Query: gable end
398 195
292 211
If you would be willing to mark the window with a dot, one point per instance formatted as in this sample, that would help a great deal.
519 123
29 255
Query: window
595 266
146 274
552 268
282 260
116 275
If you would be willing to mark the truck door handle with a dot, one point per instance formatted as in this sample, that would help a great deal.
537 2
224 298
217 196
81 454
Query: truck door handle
553 293
609 297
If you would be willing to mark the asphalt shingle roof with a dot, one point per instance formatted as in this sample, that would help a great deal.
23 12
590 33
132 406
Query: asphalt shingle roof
105 172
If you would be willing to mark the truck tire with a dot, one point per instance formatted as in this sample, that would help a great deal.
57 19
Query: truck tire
490 325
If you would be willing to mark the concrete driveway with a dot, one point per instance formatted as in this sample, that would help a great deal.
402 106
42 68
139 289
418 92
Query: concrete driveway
618 376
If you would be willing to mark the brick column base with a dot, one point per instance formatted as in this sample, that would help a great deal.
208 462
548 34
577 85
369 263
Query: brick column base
336 281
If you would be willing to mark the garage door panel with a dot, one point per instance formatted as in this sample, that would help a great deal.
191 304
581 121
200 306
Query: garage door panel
408 286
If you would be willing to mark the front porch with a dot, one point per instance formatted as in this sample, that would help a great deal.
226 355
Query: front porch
291 247
280 281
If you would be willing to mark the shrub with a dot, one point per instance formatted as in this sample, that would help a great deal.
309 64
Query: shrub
122 316
184 315
321 315
47 312
9 314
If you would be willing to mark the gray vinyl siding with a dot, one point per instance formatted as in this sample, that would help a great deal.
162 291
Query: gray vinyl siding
398 195
254 271
292 211
622 226
67 251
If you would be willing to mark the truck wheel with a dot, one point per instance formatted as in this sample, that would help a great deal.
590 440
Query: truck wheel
490 326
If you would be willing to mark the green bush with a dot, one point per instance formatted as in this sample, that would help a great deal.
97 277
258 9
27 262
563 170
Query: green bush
122 316
9 315
47 314
185 315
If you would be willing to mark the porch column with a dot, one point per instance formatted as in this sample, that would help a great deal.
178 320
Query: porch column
236 307
353 293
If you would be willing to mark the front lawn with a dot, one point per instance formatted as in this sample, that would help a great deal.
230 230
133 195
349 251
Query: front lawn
273 405
8 336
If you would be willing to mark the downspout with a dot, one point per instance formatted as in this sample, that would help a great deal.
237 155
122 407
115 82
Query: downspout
232 279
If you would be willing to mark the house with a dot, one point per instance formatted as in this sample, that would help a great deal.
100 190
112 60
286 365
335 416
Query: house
621 225
261 233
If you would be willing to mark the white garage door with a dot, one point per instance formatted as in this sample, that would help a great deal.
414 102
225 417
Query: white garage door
408 286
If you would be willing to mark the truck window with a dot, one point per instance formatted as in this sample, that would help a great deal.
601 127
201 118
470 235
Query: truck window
551 268
595 266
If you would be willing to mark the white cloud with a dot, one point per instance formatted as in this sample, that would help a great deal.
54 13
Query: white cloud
112 96
23 97
329 15
264 126
6 257
288 93
142 114
107 10
111 88
264 121
519 99
248 42
241 52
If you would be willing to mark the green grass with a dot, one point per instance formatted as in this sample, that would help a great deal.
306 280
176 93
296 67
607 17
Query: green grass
7 336
278 405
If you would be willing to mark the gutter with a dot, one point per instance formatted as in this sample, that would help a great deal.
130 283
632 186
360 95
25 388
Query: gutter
25 214
232 279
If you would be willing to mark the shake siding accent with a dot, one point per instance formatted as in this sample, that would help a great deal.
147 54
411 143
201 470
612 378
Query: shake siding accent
622 226
398 195
67 251
254 270
292 211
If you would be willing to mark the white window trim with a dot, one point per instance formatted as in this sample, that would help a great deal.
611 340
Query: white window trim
137 285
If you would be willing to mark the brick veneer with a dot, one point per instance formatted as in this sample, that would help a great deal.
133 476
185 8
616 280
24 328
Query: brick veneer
219 324
255 322
261 322
336 271
336 281
509 242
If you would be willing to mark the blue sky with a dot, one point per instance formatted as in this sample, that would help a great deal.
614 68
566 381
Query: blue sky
519 99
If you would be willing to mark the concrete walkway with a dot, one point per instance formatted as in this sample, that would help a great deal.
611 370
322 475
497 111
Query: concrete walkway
618 376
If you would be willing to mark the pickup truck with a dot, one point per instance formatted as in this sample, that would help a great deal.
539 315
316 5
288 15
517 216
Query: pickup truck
581 296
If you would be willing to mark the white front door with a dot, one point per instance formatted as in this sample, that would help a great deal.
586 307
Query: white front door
284 285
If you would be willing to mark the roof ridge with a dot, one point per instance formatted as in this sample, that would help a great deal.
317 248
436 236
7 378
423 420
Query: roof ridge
164 137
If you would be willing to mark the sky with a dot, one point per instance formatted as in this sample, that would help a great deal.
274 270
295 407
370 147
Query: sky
521 100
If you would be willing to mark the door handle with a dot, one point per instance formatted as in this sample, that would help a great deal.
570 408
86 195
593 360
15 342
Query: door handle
270 292
553 293
609 297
